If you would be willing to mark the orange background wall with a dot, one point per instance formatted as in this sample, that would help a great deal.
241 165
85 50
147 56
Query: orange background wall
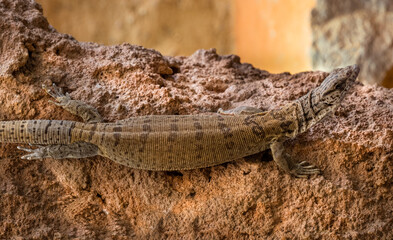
274 35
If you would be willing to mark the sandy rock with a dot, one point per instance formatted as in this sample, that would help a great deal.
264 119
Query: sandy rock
353 31
95 198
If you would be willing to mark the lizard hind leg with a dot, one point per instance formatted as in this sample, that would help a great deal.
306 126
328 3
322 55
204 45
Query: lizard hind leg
76 107
60 151
241 110
302 169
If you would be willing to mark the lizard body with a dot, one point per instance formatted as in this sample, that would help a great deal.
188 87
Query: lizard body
180 142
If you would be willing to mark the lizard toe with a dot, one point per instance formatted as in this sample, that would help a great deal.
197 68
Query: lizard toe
304 163
31 156
305 169
24 149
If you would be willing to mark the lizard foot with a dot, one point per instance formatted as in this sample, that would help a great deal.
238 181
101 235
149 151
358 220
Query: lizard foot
79 108
301 170
57 93
304 169
60 151
38 153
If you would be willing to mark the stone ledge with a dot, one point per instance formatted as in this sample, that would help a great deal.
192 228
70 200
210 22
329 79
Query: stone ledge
248 198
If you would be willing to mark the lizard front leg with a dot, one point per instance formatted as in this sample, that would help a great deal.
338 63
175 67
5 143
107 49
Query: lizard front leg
79 108
302 169
60 151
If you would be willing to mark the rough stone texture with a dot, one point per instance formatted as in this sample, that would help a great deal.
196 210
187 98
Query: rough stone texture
96 198
172 27
354 31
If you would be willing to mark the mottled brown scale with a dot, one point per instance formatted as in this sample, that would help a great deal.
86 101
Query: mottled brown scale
198 131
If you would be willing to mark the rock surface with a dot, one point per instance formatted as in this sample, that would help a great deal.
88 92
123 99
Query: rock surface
96 198
354 31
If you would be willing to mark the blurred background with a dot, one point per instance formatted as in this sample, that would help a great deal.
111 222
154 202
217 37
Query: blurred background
274 35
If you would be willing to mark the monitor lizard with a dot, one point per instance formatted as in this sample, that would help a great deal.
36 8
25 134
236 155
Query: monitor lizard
180 142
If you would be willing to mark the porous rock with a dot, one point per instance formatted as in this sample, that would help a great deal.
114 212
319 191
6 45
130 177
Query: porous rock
96 198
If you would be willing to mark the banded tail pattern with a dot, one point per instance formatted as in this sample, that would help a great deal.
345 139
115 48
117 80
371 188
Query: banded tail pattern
36 131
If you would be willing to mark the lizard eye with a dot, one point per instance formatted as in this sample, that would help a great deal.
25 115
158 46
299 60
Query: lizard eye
341 85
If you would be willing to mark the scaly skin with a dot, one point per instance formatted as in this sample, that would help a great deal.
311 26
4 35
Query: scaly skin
181 142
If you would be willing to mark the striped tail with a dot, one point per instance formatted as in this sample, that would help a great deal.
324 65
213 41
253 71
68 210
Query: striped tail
36 131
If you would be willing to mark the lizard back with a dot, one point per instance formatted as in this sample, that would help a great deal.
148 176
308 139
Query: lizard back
183 142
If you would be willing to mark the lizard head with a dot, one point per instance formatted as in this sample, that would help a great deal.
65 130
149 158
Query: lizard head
335 85
324 99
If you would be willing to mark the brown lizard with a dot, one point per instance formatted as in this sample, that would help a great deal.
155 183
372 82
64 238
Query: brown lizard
169 142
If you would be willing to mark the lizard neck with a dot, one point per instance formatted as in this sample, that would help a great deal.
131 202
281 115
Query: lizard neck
310 110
